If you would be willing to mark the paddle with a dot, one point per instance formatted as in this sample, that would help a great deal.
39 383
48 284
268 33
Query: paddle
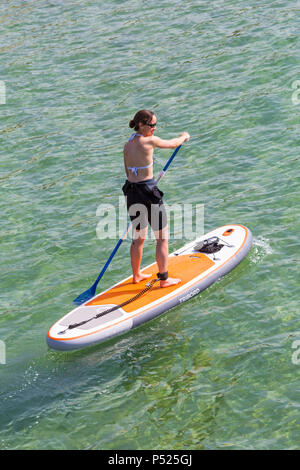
89 293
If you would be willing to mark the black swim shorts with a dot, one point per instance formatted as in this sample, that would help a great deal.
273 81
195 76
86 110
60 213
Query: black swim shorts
145 204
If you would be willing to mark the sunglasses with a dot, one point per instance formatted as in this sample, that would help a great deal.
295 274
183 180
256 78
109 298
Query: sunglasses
152 125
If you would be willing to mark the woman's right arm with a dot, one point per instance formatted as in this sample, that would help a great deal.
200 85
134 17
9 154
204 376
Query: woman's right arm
169 144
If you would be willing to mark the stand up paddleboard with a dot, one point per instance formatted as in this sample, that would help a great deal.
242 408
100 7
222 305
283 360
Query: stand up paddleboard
126 305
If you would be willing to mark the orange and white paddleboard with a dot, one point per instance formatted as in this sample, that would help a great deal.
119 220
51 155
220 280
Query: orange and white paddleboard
88 324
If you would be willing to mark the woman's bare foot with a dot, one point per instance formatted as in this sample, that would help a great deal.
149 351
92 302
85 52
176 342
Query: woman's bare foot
169 282
140 277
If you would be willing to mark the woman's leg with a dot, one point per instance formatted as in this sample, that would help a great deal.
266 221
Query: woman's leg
136 253
162 253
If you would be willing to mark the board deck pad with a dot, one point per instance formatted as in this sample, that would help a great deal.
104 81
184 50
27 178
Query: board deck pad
89 313
196 270
184 267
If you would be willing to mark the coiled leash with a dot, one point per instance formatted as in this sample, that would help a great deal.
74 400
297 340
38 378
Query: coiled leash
148 287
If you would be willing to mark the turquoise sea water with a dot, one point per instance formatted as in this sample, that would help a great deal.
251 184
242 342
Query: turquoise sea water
220 371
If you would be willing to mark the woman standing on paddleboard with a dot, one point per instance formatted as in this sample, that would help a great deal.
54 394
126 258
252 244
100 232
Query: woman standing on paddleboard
144 199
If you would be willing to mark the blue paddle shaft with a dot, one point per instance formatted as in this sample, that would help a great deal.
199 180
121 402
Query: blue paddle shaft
113 253
171 159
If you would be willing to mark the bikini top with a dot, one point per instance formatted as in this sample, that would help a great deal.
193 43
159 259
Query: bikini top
134 169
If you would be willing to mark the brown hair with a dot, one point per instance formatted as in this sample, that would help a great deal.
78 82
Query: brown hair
144 116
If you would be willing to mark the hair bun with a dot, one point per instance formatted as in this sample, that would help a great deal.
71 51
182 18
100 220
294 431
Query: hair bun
143 116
